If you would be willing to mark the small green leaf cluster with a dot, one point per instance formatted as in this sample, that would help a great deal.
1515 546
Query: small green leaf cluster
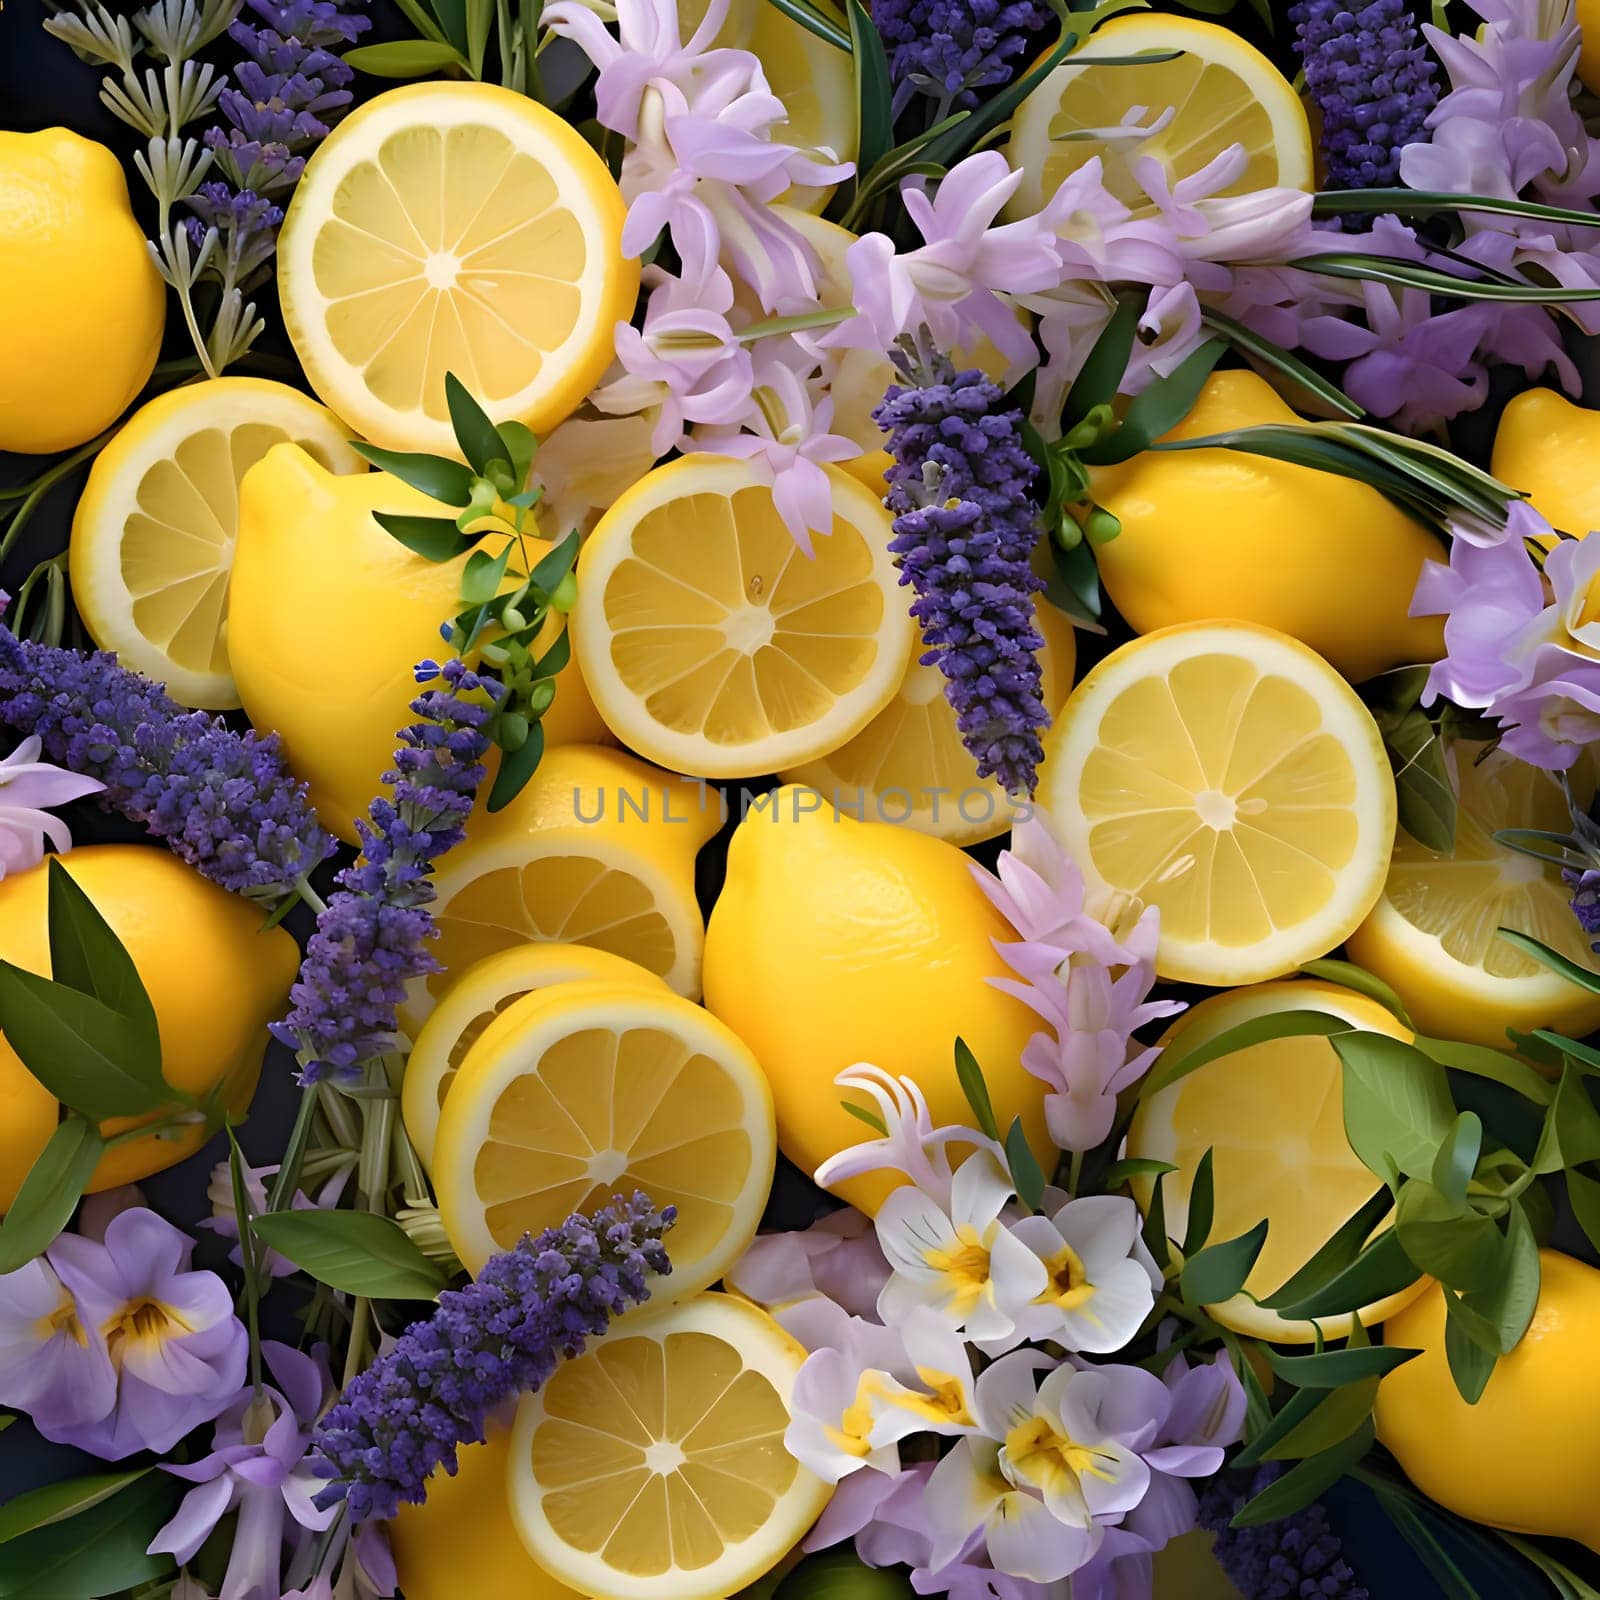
453 40
506 597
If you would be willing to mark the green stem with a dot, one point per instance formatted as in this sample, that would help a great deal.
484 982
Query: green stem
532 78
294 1155
1075 1173
503 33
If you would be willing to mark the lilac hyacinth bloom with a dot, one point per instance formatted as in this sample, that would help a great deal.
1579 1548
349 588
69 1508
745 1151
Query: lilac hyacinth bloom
371 938
965 526
950 49
1285 1560
223 801
503 1335
1371 77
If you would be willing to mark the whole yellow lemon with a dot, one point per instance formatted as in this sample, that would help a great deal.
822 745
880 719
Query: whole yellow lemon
1545 446
1588 14
461 1539
1222 534
328 615
1526 1457
836 942
214 979
83 306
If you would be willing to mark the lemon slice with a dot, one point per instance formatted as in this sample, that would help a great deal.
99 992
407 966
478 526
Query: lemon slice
1431 937
597 850
473 1001
152 539
909 766
453 227
711 644
653 1467
1273 1117
599 1087
1222 92
1227 774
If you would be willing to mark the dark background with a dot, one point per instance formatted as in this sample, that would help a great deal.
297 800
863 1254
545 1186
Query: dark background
43 84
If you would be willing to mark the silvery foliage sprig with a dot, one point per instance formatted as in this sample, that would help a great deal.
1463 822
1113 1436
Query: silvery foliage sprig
156 86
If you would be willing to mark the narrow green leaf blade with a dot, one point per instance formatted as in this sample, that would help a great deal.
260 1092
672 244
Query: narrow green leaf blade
874 96
1332 1369
810 18
970 1076
481 579
359 1252
516 768
433 538
1275 356
1302 1484
1119 1172
1338 1254
1202 1196
55 1502
438 477
551 568
1334 1416
50 1191
475 433
404 58
1349 976
1025 1171
1280 1025
1542 953
1382 1269
1159 408
1218 1272
1101 374
1458 1158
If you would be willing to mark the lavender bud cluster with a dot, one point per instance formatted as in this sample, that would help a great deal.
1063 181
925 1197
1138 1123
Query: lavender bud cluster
1299 1556
965 527
371 940
502 1335
950 49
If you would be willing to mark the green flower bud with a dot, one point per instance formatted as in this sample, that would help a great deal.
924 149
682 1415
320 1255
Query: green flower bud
541 696
511 732
565 596
1066 533
1102 525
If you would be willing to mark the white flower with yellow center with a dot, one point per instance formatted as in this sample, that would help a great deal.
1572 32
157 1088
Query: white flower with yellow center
942 1399
834 1426
963 1262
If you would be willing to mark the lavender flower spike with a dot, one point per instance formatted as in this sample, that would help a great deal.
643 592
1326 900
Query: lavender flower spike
370 940
223 801
500 1336
951 49
965 526
1299 1555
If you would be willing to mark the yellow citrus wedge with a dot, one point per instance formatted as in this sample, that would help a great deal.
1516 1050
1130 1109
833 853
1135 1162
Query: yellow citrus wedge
1221 90
153 536
712 644
1228 775
1272 1115
453 227
1432 935
599 1087
597 850
653 1467
908 765
472 1001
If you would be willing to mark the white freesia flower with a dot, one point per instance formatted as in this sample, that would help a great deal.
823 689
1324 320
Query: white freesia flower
833 1424
961 1259
943 1399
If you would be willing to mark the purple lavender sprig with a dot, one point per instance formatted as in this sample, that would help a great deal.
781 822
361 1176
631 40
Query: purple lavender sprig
965 526
1373 80
950 49
223 801
371 937
1286 1560
500 1336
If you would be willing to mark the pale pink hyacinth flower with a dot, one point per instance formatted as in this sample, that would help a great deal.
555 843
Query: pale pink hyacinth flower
838 1258
28 787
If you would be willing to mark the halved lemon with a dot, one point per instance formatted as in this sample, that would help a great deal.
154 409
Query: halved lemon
1227 774
909 766
153 535
1432 935
1273 1117
599 1087
597 850
475 998
711 644
453 227
1222 91
653 1467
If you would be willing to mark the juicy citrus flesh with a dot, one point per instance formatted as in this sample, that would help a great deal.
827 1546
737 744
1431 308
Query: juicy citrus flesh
1272 1115
453 229
153 537
712 644
472 1001
1222 91
654 1464
1229 776
594 1088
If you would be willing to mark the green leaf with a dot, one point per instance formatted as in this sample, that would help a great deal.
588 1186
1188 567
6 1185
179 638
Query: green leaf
1201 1205
1101 374
1339 1253
1447 1240
1567 1583
1280 1025
1408 275
1332 1415
1275 356
970 1076
1436 1560
1471 1365
1397 1105
1424 794
516 767
1218 1272
521 445
433 538
1306 1482
1426 203
1349 976
1510 1300
874 96
475 433
359 1252
1584 1193
555 658
1154 1232
1073 584
81 1050
1025 1173
1332 1369
438 477
452 15
87 956
1542 953
1483 1062
1382 1269
480 18
1257 1407
809 17
1458 1158
1159 408
1119 1172
862 1114
55 1502
404 58
554 565
51 1189
480 581
1571 1132
100 1551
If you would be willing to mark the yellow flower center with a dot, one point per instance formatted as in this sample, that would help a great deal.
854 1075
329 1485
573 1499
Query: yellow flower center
1069 1285
1051 1460
64 1319
946 1404
856 1421
142 1322
965 1267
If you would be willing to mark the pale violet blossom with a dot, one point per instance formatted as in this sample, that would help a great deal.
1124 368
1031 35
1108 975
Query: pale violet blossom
28 787
834 1428
52 1366
837 1258
941 1398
